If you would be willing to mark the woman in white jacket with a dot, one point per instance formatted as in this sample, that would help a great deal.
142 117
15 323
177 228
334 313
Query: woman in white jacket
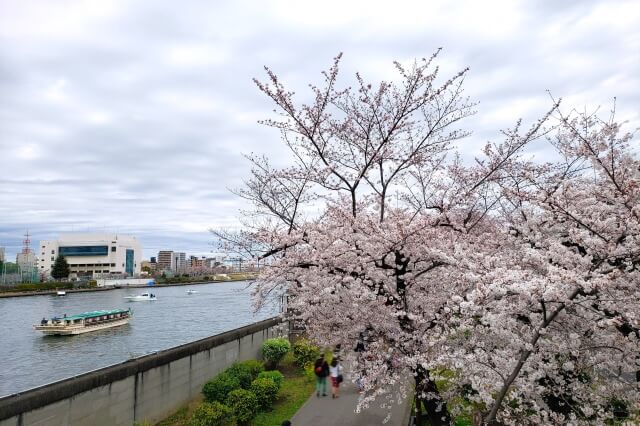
335 372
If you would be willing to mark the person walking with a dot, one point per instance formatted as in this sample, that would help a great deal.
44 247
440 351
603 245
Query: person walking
335 372
321 369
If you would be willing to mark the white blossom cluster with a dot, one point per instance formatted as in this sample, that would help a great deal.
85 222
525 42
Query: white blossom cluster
509 289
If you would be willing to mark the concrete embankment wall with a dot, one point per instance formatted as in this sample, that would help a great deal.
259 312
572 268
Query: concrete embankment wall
142 389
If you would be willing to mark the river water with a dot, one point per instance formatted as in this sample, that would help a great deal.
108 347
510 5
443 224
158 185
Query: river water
29 359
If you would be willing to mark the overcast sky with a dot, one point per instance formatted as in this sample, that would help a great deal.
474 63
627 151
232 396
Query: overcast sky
131 116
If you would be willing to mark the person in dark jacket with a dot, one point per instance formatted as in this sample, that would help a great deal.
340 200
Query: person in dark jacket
321 370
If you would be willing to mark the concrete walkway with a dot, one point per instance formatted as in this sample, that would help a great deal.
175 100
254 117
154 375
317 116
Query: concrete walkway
325 411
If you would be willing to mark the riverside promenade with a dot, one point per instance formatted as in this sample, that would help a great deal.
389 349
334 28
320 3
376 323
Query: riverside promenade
326 411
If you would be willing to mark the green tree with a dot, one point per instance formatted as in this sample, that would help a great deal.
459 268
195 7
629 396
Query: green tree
60 268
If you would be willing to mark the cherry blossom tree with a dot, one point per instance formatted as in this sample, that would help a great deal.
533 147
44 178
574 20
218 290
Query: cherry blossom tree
507 283
553 324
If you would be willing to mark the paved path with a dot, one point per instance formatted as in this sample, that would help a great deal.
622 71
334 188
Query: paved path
325 411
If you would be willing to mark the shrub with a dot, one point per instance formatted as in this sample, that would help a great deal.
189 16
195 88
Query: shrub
273 350
254 366
243 403
305 352
219 387
274 375
265 390
246 371
212 414
309 372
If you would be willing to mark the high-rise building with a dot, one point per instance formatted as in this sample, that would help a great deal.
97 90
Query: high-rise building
166 261
1 254
180 261
93 254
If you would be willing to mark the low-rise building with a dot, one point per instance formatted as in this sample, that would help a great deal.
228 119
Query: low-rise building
26 260
145 264
93 254
195 262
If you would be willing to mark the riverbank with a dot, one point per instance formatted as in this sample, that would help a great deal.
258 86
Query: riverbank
50 292
84 290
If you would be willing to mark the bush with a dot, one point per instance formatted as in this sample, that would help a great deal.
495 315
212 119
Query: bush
266 391
305 352
273 350
219 387
212 414
246 371
274 375
243 403
254 366
309 372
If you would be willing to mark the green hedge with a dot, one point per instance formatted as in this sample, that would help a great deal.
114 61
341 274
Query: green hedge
246 371
274 375
212 414
219 387
265 390
305 352
273 350
243 403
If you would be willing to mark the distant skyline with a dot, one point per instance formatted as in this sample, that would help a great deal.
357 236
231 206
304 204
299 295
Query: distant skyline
132 116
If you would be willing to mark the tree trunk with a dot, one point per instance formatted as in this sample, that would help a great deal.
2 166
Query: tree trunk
418 409
433 401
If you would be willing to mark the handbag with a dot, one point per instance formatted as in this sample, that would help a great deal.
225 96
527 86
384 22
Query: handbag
340 378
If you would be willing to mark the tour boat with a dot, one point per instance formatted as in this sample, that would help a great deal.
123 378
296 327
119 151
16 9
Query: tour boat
141 297
61 293
192 291
84 323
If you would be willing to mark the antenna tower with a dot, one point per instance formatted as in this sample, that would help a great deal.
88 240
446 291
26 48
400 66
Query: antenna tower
25 243
27 268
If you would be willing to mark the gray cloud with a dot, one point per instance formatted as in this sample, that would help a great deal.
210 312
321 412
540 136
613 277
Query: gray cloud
132 116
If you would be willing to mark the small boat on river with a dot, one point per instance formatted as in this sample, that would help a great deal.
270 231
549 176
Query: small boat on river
192 291
84 323
141 297
61 293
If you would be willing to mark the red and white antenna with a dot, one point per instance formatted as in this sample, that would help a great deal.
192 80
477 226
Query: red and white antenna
25 243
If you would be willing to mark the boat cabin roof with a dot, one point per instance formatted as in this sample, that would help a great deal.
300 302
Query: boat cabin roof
92 314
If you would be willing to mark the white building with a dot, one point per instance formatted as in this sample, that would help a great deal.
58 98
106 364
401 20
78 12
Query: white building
93 254
26 260
180 261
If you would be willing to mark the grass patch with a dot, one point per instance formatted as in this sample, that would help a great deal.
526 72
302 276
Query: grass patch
183 415
294 393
